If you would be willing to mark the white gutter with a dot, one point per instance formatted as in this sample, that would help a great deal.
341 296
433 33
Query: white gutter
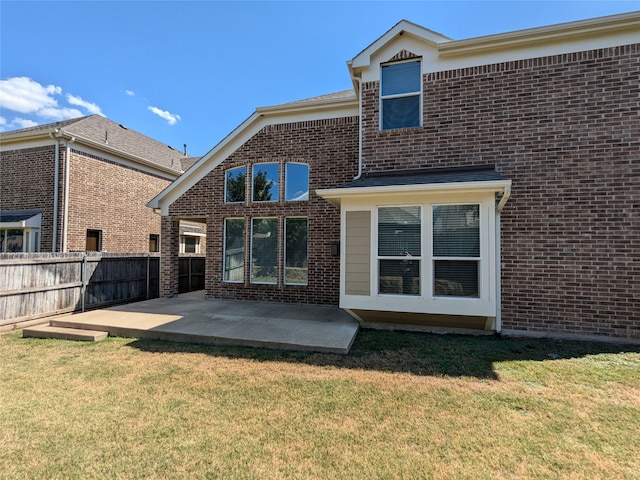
56 187
501 204
359 93
65 216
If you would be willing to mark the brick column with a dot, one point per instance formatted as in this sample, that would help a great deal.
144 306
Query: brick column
169 254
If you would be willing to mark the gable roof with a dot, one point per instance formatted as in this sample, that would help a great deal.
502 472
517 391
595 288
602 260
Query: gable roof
102 133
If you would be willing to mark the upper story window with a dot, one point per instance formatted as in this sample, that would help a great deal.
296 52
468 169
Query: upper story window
296 182
400 95
265 182
234 185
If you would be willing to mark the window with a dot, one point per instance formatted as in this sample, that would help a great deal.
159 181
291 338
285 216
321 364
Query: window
94 240
190 244
400 95
295 251
154 243
265 182
234 185
233 250
399 250
12 240
296 182
264 250
456 250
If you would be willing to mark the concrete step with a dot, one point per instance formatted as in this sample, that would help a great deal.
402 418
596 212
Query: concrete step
62 333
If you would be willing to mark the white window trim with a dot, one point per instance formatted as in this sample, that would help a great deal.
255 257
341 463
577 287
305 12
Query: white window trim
284 253
400 95
251 253
426 302
226 172
224 250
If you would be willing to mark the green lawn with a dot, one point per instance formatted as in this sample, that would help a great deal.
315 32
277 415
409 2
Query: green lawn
400 405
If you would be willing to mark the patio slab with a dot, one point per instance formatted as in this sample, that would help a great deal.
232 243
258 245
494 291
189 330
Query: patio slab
190 318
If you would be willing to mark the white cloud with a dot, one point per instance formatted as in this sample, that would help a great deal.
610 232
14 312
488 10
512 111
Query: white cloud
23 95
90 107
169 117
24 122
3 121
131 93
60 113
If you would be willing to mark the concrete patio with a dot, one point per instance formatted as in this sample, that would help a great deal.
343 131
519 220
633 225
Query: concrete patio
191 318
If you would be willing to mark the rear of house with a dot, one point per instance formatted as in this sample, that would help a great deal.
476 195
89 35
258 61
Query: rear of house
488 183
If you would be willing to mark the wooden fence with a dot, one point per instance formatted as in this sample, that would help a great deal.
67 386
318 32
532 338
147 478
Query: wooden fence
36 285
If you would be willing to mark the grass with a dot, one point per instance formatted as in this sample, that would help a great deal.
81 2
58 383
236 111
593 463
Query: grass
400 405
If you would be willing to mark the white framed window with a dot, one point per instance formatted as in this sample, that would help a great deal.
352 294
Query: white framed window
296 251
296 182
264 250
456 250
265 181
401 95
235 185
233 257
399 250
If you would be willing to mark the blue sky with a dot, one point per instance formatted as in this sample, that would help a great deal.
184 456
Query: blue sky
190 72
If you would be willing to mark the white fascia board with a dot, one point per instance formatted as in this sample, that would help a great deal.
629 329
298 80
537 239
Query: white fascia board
334 195
613 25
363 59
26 142
262 117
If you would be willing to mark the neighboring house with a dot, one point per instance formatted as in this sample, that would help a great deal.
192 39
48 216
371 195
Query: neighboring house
82 184
487 183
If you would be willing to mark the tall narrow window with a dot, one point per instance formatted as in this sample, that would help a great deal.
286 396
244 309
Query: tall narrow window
154 242
295 251
400 95
456 250
264 250
94 240
233 250
265 182
399 250
234 185
297 182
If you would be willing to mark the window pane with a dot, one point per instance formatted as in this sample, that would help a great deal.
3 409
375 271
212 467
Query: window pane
191 244
456 278
400 277
295 271
456 231
401 78
399 231
264 250
403 112
154 243
297 182
15 240
94 240
235 185
265 182
234 250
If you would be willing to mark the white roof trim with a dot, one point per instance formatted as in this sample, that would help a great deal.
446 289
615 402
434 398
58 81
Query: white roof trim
262 117
334 195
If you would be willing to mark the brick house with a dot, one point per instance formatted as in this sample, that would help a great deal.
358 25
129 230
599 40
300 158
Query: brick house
82 184
488 183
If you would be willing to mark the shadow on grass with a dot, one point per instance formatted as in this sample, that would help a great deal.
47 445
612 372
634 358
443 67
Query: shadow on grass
410 352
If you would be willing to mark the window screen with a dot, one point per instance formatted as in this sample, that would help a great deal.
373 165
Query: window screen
400 95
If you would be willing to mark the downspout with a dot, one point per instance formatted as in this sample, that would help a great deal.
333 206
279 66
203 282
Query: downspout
505 196
56 187
359 82
65 217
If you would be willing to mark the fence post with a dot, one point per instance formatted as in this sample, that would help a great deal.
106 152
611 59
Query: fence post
84 279
148 274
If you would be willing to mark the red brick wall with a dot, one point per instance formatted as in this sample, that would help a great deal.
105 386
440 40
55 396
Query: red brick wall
110 197
27 182
330 147
566 130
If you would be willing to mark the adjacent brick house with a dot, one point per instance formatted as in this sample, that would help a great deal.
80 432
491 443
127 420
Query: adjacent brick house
82 184
489 183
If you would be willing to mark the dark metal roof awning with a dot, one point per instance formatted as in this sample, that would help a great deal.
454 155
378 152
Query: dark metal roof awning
18 218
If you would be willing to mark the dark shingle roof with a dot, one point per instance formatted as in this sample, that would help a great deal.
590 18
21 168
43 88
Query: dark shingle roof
10 216
103 131
480 173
